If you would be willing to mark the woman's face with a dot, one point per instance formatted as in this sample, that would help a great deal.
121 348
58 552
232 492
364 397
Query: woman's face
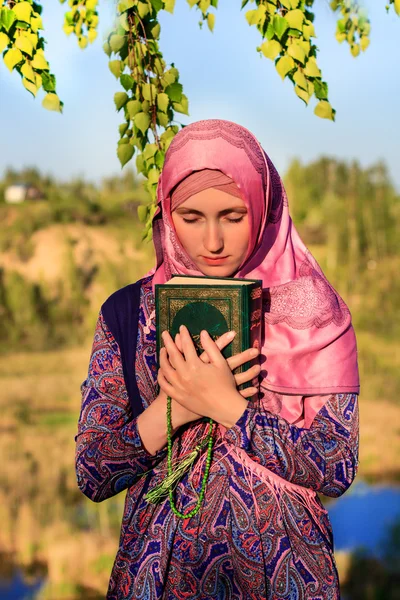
213 225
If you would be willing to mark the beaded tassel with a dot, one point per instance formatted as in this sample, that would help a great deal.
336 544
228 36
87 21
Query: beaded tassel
167 485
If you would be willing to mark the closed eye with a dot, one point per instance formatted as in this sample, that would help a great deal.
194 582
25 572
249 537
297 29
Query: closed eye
196 220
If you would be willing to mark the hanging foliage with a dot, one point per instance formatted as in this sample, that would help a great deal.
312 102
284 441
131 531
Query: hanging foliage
150 90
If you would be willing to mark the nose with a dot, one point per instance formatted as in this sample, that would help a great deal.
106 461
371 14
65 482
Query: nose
213 238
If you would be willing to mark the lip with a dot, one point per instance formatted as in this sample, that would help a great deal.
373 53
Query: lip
215 261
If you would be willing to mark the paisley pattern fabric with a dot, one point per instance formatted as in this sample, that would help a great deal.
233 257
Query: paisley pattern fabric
260 534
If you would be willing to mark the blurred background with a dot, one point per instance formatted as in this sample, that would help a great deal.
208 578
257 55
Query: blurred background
70 236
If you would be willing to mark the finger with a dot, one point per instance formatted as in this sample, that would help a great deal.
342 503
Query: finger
248 392
165 386
247 375
214 354
240 359
188 348
221 342
175 357
166 367
178 342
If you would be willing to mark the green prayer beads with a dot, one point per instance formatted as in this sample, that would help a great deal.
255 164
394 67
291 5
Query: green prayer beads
196 509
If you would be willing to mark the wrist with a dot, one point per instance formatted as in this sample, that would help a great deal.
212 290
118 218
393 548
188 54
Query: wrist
232 409
175 421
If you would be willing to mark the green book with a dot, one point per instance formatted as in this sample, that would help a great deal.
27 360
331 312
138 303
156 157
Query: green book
215 304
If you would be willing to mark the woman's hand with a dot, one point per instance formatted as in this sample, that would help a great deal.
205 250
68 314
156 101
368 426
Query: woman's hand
207 389
181 415
234 361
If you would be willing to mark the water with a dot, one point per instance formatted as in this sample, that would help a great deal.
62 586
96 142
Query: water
363 516
17 588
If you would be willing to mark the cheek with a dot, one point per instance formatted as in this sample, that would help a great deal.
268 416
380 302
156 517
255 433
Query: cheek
186 236
240 237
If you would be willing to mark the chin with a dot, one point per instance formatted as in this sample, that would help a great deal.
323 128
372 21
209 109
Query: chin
217 271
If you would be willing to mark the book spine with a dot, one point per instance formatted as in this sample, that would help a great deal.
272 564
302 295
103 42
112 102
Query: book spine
252 308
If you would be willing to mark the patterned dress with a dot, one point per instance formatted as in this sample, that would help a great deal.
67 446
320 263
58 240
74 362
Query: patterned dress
260 533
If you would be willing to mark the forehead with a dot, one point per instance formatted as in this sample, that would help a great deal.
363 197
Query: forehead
212 200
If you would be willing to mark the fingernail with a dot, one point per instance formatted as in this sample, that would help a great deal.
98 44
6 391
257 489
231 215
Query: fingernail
230 335
254 352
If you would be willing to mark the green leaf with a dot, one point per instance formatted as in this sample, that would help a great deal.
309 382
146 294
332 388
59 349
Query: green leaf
116 67
51 102
355 50
39 62
159 159
122 129
149 91
31 87
340 37
7 18
133 107
163 101
23 11
280 25
169 5
24 44
271 49
284 65
162 119
157 4
324 110
127 82
295 18
300 79
117 42
174 92
4 39
142 211
308 31
120 99
182 106
13 57
297 52
49 82
125 153
364 42
251 17
142 121
139 163
150 151
156 30
28 72
154 175
211 21
286 4
92 35
311 69
107 48
143 9
169 77
321 89
302 94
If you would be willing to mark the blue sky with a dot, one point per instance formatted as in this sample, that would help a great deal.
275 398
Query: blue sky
224 77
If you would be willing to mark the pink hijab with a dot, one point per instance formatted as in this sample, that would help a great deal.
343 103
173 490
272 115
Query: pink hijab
308 342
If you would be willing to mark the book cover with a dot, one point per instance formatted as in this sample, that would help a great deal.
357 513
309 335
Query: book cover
215 304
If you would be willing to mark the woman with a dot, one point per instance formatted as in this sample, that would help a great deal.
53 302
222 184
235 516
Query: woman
261 531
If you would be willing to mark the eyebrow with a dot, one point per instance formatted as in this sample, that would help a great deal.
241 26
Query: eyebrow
186 210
